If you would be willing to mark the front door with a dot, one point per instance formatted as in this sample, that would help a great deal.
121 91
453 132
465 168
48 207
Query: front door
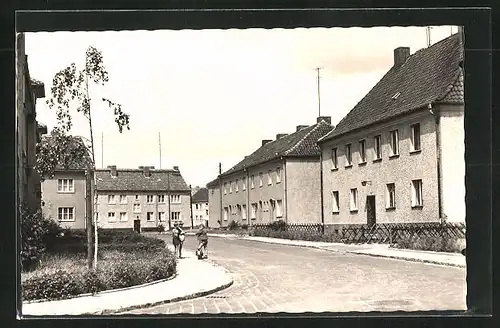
370 211
137 226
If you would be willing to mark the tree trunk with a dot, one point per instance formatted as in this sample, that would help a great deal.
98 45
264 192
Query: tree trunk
88 212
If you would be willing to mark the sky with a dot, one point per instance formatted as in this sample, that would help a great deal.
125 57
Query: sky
212 96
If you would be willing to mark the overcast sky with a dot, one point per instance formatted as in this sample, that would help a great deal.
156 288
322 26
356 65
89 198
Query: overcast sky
215 94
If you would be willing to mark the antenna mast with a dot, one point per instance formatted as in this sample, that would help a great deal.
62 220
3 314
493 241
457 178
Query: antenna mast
319 98
428 30
102 149
159 144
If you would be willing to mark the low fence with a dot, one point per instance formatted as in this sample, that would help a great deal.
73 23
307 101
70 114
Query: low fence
379 233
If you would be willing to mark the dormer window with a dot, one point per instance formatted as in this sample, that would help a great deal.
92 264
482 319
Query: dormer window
396 95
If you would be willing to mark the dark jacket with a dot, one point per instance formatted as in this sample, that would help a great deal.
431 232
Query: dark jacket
202 234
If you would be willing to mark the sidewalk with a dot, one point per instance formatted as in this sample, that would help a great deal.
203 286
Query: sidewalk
186 285
380 250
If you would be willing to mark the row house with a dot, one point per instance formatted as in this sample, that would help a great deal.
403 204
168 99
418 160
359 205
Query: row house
28 130
141 199
398 155
64 193
199 205
279 181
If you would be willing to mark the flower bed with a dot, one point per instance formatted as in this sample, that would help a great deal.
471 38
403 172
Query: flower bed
125 259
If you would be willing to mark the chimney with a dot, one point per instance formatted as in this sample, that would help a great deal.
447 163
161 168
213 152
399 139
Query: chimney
327 119
112 169
461 34
147 172
401 54
300 127
265 142
176 168
281 135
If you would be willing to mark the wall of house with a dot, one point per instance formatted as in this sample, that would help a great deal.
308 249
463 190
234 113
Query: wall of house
200 214
399 170
266 196
303 189
52 199
452 133
156 207
233 195
214 210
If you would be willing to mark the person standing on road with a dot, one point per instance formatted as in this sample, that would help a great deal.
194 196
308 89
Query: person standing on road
182 236
178 239
202 242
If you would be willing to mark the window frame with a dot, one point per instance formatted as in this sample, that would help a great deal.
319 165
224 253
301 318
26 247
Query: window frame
112 199
348 155
417 194
111 216
413 128
122 198
279 208
126 217
150 216
148 197
353 200
335 203
389 191
394 142
135 206
72 212
377 147
278 175
334 158
362 151
60 186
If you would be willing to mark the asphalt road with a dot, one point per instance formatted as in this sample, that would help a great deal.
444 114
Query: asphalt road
277 278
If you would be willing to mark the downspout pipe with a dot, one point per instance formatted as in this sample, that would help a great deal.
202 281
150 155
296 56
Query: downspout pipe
286 195
438 159
321 190
248 197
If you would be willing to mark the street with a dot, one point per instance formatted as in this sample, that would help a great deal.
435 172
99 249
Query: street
278 278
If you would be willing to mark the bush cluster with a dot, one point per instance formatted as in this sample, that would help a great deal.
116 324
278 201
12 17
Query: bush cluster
436 244
117 270
37 235
233 225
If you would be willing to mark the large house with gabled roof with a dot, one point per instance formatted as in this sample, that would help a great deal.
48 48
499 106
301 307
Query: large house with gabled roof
398 155
141 199
279 181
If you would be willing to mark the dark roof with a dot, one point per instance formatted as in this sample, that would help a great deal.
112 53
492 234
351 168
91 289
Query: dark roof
302 143
135 180
430 75
213 183
201 196
68 162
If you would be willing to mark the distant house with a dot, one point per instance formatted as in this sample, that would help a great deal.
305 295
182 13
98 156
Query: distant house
64 194
279 181
398 155
28 131
199 204
141 199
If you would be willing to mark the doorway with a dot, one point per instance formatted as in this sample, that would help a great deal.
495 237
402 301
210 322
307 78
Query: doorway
371 218
137 226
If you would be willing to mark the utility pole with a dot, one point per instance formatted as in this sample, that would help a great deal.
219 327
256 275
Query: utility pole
102 150
220 192
159 144
319 98
191 205
89 221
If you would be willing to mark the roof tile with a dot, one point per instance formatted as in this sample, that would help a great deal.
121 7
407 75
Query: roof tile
135 180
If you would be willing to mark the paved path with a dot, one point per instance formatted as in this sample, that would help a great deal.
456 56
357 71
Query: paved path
187 284
278 278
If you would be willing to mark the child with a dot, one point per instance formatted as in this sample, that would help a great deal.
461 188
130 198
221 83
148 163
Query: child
203 242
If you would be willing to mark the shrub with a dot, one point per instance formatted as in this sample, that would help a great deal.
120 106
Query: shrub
436 244
297 235
233 225
161 228
279 225
244 226
37 234
116 270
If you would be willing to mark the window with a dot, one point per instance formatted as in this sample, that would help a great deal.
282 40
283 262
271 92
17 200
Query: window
244 187
137 208
362 151
230 187
196 206
377 142
150 199
415 137
161 199
334 158
150 216
416 200
136 197
123 199
176 216
111 217
269 178
66 214
244 212
111 199
348 155
65 185
97 217
176 199
236 185
278 175
354 199
225 188
253 213
394 141
391 196
279 208
123 216
252 182
226 213
335 198
206 211
260 181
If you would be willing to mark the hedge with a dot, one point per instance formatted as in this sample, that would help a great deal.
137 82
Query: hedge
118 270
